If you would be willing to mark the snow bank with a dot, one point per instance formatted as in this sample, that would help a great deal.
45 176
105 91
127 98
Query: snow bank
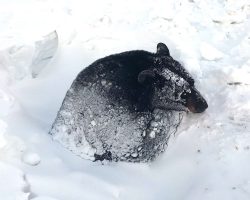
13 183
209 157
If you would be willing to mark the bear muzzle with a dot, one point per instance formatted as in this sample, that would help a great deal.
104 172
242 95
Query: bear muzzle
195 102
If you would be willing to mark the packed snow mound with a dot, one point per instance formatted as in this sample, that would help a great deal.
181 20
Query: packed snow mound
13 183
27 59
31 158
7 102
11 147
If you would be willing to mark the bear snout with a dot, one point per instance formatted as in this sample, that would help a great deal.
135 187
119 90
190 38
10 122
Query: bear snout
196 103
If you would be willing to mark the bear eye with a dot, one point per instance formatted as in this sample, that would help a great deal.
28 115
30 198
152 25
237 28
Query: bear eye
162 81
184 95
155 71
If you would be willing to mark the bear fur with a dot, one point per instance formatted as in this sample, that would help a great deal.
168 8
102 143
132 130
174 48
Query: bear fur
124 107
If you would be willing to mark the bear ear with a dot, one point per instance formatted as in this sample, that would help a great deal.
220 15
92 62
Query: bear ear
162 49
146 76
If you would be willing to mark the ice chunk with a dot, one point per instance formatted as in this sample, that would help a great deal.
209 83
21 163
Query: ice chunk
31 158
25 59
44 52
15 61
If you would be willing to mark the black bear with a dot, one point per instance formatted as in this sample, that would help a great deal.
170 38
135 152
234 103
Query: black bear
124 107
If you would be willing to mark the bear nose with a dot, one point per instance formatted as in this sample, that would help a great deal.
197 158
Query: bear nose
197 107
196 103
200 107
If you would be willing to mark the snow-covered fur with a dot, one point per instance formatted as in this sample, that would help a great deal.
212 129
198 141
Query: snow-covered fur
124 107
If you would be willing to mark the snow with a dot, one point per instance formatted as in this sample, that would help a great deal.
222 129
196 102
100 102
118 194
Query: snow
44 51
43 198
31 158
13 184
208 52
2 130
208 158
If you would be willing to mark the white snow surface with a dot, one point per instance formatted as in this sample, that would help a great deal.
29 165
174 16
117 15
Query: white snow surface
31 158
208 159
